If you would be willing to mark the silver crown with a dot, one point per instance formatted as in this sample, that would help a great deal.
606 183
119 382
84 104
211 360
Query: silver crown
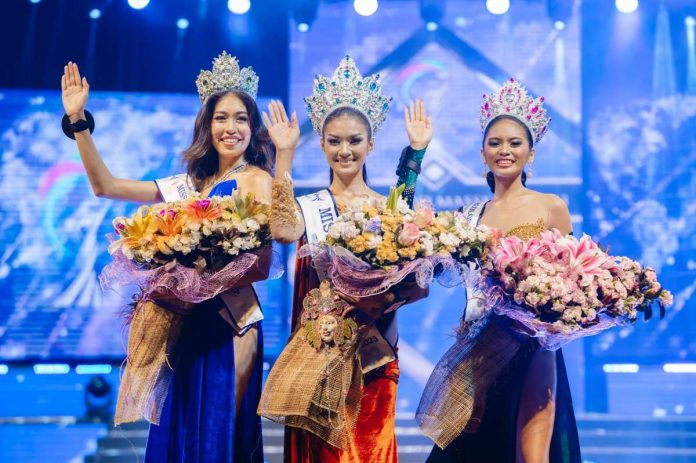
512 100
226 76
347 88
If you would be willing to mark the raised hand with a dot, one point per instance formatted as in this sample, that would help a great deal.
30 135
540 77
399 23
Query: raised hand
75 91
418 125
284 132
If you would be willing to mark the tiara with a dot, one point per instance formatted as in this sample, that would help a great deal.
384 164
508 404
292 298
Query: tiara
347 88
512 100
227 76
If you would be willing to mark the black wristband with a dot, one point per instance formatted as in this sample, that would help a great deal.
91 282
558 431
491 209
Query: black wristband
406 162
70 128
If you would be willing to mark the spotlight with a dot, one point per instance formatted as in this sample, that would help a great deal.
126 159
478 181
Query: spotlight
99 397
182 23
559 11
498 6
559 25
432 11
626 6
431 26
238 6
34 1
365 7
138 4
690 21
304 12
95 13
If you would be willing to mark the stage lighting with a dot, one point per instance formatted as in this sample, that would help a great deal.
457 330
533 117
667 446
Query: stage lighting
365 7
34 1
626 6
99 398
95 13
238 6
431 26
559 11
304 12
432 11
559 25
138 4
690 21
182 23
498 6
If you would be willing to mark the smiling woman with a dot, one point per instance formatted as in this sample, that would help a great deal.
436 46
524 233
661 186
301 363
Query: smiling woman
206 405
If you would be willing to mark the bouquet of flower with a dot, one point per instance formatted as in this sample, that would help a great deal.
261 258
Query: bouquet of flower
180 254
560 287
371 248
191 249
197 232
465 243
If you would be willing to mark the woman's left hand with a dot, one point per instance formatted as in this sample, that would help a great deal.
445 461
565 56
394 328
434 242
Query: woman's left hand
418 125
284 131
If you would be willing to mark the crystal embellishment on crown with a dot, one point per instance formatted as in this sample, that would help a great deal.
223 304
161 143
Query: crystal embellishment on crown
347 88
512 100
227 76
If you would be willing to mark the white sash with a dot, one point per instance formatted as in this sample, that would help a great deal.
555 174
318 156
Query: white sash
242 309
474 298
319 211
175 188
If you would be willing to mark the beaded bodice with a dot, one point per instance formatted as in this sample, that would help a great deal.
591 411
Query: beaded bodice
527 231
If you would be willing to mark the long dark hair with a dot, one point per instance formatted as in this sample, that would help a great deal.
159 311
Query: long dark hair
201 157
348 111
490 178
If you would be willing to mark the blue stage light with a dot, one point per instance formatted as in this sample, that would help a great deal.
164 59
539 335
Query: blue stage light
138 4
95 13
4 369
303 27
95 369
559 25
365 7
690 21
498 6
238 6
182 23
679 367
626 6
621 368
51 369
34 1
431 26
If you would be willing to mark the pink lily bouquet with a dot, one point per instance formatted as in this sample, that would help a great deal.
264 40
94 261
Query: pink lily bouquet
191 249
558 288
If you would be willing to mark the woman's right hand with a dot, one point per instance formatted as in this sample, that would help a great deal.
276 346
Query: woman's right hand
75 91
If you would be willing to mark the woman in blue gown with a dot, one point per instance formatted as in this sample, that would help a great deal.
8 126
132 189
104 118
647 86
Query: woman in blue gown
208 413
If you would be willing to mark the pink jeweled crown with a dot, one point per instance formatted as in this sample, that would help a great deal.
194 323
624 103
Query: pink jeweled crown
512 100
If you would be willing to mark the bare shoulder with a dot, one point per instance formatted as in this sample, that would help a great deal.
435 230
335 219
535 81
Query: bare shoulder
257 181
558 213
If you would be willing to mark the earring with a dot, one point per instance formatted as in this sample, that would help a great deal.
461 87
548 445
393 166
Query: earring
529 171
485 172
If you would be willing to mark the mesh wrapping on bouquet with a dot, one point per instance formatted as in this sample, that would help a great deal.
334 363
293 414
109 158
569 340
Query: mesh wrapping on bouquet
315 390
454 399
168 293
552 336
351 275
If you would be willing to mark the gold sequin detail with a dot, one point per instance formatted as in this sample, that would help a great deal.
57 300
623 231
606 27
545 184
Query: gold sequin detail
283 203
527 231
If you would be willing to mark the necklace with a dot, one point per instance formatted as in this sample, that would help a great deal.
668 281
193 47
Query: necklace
232 171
